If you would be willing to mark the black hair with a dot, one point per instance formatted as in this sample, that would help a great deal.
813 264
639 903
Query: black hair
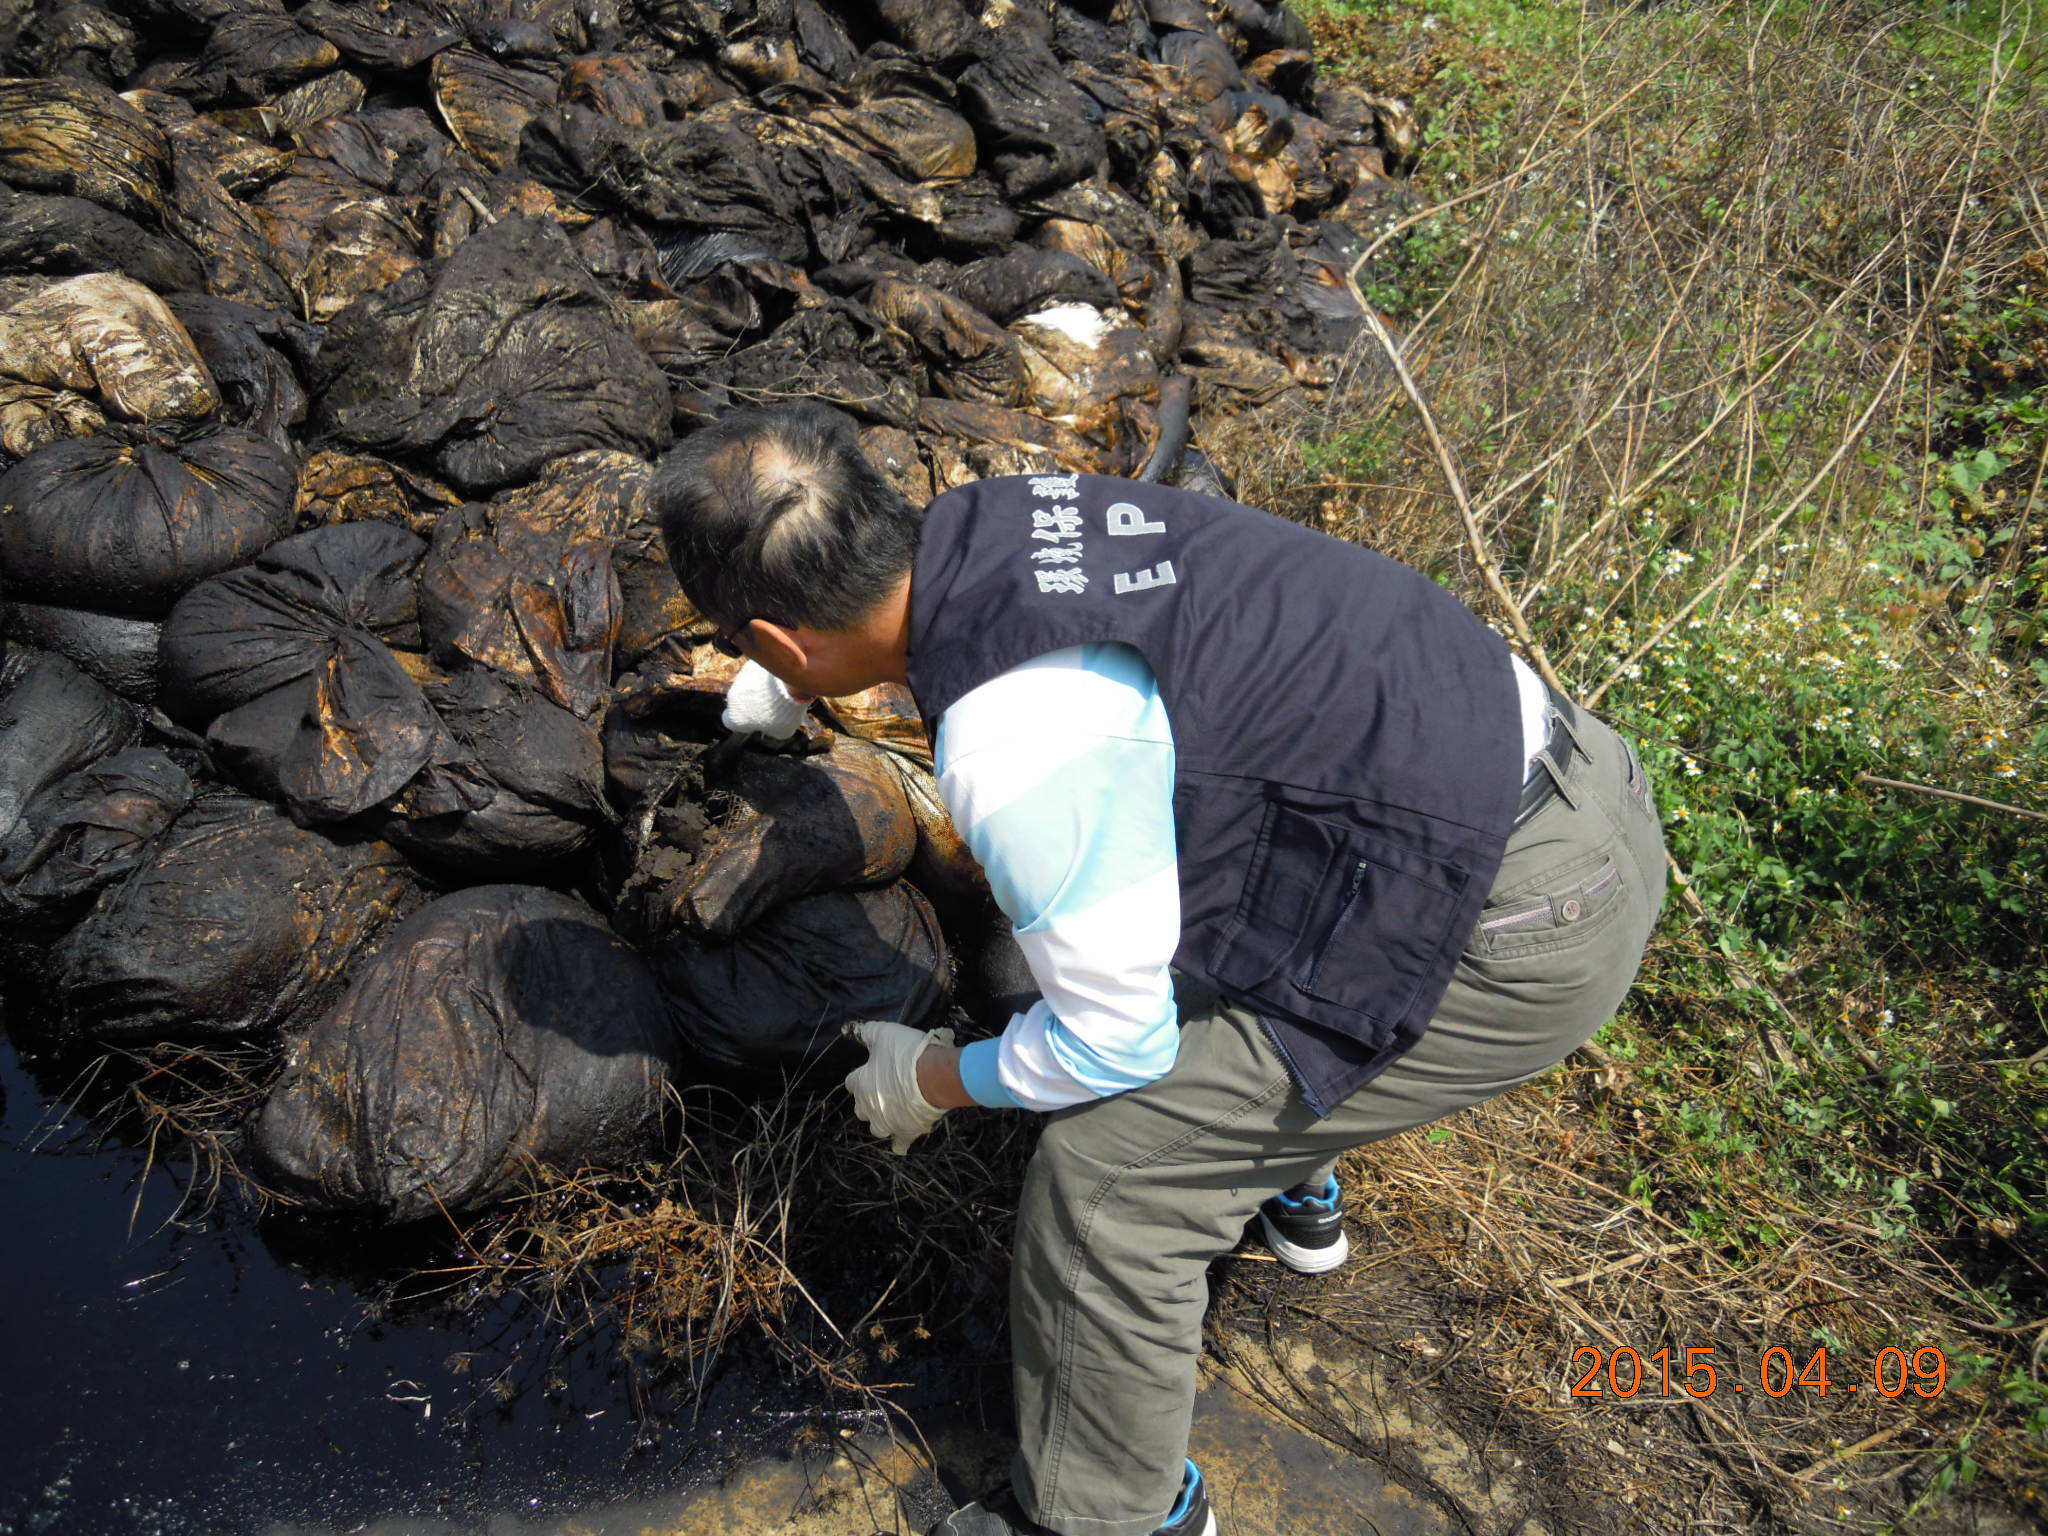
776 514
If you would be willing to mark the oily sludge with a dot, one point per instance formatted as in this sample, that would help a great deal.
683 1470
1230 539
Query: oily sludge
337 343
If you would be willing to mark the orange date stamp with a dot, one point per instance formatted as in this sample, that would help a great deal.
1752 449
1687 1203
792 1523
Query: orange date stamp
1627 1372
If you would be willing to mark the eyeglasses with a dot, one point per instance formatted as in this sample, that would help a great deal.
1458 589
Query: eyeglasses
726 641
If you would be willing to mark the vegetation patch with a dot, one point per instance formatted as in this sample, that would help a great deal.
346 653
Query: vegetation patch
1731 323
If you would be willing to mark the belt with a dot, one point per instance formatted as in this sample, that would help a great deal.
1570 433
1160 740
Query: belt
1541 785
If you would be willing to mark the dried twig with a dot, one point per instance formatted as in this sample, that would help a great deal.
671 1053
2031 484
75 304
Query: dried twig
1950 794
1475 536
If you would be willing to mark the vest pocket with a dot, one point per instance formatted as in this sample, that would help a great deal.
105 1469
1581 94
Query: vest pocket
1332 919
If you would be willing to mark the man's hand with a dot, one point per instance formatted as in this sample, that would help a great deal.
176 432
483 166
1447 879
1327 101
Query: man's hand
885 1091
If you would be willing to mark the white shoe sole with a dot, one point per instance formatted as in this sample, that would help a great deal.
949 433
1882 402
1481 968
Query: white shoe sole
1306 1261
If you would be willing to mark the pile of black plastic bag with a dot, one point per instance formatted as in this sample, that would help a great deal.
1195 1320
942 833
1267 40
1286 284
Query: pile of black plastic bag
337 342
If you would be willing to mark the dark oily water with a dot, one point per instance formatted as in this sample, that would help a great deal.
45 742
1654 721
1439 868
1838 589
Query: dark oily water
216 1375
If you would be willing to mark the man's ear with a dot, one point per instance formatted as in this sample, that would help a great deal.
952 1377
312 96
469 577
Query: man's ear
775 647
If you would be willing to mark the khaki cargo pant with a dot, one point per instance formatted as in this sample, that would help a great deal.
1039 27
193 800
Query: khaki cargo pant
1128 1199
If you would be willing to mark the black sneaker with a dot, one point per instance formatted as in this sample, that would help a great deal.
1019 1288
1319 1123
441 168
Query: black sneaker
998 1515
1304 1226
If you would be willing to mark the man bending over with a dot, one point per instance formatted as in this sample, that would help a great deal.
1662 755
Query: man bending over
1299 855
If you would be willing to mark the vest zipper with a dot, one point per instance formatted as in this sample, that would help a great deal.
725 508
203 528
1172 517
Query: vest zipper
1308 1095
1307 980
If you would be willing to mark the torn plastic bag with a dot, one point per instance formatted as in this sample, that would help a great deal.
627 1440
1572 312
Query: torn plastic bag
108 336
76 137
115 650
54 720
802 825
497 1030
125 529
238 636
663 714
967 355
234 920
527 585
1080 363
490 363
779 993
87 831
70 235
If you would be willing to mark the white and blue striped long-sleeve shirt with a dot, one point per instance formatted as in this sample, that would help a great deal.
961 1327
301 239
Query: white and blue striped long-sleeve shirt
1059 776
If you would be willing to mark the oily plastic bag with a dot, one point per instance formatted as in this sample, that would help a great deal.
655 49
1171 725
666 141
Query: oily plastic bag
235 920
496 1031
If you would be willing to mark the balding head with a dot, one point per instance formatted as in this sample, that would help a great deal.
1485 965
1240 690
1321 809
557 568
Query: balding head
776 514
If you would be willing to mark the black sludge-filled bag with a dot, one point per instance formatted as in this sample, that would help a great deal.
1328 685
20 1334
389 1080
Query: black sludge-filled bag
1036 130
805 825
778 993
1008 286
498 1028
356 734
69 234
489 364
119 528
54 720
87 831
239 636
77 137
287 666
542 768
234 921
247 351
115 650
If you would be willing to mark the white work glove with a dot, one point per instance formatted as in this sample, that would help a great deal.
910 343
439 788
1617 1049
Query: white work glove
759 702
885 1091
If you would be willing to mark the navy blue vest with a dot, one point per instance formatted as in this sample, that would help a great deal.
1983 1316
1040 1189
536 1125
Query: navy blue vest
1347 736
